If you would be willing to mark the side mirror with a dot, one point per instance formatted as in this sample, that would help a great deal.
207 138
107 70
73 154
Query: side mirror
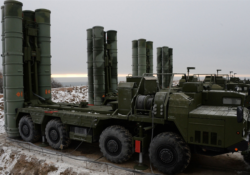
239 114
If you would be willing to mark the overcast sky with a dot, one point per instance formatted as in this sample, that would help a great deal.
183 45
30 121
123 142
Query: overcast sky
206 34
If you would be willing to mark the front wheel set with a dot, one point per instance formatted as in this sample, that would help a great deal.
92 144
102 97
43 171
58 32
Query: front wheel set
169 153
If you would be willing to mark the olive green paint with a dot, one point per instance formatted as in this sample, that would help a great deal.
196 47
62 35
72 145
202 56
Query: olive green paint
170 60
165 66
31 57
149 52
98 64
42 17
90 66
112 55
13 63
3 66
142 58
159 66
135 58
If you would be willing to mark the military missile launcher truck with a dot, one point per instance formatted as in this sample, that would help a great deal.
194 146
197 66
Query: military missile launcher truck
168 123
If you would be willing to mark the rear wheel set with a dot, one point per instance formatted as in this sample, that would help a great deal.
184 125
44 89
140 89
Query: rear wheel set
27 130
56 134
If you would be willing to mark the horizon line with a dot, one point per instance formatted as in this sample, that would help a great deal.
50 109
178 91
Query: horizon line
119 75
78 75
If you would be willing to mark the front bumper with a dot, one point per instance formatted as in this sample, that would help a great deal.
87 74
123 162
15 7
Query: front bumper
241 146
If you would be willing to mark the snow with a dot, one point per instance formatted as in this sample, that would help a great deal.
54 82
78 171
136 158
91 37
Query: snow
14 158
2 130
75 94
11 156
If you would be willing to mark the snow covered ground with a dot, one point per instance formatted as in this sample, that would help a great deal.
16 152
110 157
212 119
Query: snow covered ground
70 95
1 115
16 160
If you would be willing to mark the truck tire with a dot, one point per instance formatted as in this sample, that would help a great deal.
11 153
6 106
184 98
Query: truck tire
27 130
169 153
116 144
56 134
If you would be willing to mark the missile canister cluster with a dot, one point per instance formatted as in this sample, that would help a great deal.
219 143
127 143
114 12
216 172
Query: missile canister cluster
164 65
142 57
26 59
102 64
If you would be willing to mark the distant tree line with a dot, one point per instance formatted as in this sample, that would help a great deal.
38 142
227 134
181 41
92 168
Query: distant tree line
54 83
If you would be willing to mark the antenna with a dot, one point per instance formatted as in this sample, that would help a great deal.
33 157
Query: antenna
230 73
218 71
188 68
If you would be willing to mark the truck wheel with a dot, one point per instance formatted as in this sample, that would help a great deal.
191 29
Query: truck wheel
116 144
56 134
169 153
27 130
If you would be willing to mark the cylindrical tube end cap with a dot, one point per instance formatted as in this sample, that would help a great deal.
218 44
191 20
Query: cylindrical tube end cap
13 2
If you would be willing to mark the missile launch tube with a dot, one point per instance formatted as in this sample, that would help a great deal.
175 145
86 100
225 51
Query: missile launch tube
13 63
165 67
107 66
150 64
90 67
159 65
28 15
3 65
141 57
170 61
112 42
99 65
135 58
42 17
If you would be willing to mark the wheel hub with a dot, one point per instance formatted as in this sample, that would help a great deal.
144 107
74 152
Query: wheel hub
25 130
112 146
53 135
166 155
